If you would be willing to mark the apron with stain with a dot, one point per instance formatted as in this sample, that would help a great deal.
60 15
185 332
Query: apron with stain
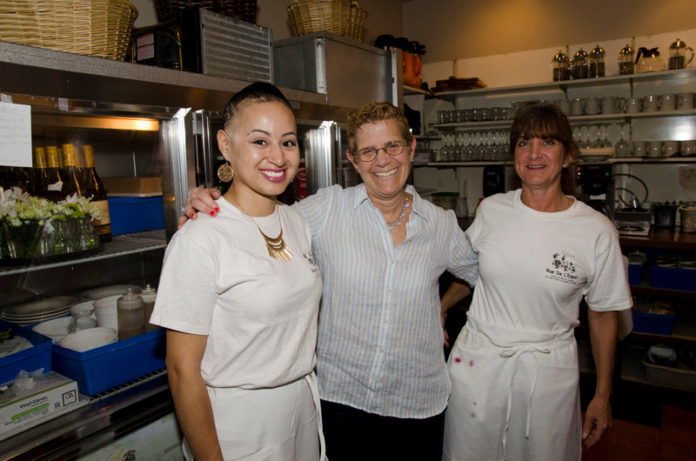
514 396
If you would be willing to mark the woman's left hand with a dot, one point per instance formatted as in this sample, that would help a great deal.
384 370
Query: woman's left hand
597 421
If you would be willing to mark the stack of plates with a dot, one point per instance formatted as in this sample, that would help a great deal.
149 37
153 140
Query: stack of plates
37 311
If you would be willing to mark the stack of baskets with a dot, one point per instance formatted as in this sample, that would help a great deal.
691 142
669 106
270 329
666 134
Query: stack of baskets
90 27
242 9
342 17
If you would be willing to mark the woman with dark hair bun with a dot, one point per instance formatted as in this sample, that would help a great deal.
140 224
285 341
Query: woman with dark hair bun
514 366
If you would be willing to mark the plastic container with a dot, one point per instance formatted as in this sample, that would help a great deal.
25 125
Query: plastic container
106 311
135 214
30 359
659 324
673 278
131 315
635 272
108 366
149 295
669 376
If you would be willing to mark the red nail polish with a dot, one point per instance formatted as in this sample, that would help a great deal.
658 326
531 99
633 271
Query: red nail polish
217 210
212 213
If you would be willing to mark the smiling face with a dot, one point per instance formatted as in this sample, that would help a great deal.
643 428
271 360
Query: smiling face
260 142
385 176
539 162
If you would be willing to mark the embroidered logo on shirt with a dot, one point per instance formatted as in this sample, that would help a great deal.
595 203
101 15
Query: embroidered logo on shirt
307 255
562 269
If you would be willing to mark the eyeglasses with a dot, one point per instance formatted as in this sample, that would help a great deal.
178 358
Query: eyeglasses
392 148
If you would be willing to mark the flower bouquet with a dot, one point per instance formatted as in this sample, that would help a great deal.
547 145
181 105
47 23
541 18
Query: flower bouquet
35 228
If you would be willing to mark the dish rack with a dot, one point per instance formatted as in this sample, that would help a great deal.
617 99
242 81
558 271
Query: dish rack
342 17
88 27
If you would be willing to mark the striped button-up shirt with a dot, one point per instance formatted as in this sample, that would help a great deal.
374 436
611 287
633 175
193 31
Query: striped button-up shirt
380 345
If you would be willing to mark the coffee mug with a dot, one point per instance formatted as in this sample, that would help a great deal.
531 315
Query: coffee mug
651 103
668 102
639 148
685 101
688 147
592 106
578 107
633 105
611 105
564 104
654 148
670 148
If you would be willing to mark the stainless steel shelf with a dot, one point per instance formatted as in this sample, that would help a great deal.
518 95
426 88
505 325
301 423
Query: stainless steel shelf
119 246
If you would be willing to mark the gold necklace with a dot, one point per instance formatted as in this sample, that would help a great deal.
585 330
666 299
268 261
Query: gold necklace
276 246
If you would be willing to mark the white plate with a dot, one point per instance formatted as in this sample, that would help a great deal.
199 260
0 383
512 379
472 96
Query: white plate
90 338
111 290
35 310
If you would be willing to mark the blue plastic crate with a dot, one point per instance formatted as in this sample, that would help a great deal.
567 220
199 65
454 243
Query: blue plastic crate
135 214
30 359
673 278
660 324
99 369
635 271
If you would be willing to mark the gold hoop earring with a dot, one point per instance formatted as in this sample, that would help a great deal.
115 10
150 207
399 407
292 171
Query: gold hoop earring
225 172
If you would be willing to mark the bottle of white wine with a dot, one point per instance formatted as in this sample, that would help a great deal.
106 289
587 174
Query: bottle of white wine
40 174
69 172
94 190
54 182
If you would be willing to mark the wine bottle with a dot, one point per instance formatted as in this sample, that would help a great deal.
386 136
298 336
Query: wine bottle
40 174
94 190
69 172
54 182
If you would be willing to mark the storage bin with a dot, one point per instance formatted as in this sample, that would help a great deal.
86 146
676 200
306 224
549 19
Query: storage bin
108 366
670 377
30 359
661 324
635 272
135 214
674 278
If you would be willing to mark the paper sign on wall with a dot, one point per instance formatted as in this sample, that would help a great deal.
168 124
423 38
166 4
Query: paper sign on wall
15 135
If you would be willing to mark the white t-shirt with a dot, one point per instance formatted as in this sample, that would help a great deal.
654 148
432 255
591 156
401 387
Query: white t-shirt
259 313
535 267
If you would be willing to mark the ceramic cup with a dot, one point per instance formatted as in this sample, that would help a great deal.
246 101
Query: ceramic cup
564 104
654 148
670 148
106 312
633 105
685 101
577 107
611 105
592 106
639 148
651 103
688 147
668 102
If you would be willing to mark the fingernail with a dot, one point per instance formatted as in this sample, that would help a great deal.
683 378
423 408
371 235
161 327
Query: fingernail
212 213
217 210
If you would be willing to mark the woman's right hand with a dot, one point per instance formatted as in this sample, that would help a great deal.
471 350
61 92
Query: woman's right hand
201 200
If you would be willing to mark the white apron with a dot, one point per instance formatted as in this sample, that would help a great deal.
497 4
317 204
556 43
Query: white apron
277 424
514 396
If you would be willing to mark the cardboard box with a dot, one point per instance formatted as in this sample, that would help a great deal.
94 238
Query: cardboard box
149 186
52 394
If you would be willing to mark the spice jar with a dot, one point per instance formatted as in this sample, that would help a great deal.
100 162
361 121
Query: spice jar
580 68
626 60
561 69
597 68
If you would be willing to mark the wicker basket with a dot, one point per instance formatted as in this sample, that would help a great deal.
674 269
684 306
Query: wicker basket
242 9
342 17
90 27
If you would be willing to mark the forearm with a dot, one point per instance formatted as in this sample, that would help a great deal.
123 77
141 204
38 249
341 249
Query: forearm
457 291
195 414
603 328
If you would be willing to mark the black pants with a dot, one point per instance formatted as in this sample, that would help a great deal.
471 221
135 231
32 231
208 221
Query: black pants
355 435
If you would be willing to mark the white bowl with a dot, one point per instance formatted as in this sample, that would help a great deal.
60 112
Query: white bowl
91 338
82 309
106 311
54 329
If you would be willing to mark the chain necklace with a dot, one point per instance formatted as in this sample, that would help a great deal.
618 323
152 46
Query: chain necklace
276 246
398 221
